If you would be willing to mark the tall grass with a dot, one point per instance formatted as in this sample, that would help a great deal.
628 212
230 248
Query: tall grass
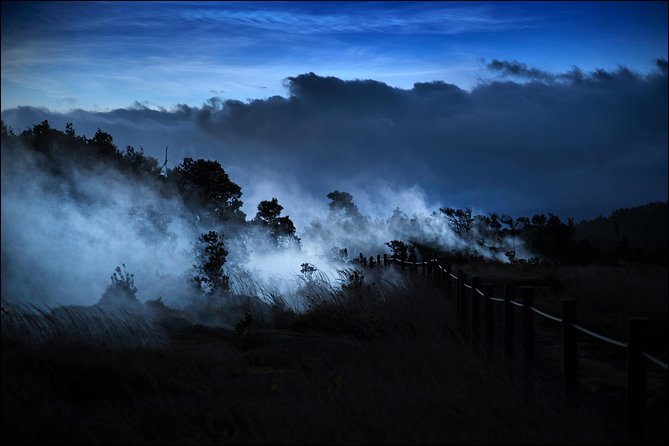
113 328
379 359
373 361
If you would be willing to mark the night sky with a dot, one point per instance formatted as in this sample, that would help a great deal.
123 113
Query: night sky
520 108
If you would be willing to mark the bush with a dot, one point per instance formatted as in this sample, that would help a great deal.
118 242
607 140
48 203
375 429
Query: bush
122 293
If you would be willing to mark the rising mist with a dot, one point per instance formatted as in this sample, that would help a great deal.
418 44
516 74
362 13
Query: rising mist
68 222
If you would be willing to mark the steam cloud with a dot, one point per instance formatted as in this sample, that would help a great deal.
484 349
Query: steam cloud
61 240
573 144
63 235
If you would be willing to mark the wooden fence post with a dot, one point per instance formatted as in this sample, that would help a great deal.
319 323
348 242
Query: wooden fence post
475 318
441 276
458 293
488 316
569 348
385 260
635 386
508 321
449 283
378 259
528 324
464 304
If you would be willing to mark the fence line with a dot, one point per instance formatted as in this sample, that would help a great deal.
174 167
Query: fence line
578 327
636 370
600 337
655 360
546 315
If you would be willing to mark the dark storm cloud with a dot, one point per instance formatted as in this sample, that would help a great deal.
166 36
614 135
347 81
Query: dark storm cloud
518 69
571 143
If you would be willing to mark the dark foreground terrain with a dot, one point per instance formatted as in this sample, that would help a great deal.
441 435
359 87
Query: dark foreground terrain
371 367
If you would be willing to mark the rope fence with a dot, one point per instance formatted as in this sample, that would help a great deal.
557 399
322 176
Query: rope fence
655 360
600 337
578 327
468 311
546 315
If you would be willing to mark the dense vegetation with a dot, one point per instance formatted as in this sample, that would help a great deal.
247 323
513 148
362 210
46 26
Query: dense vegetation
213 203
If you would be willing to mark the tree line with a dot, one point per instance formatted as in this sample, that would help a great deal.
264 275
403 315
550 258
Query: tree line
628 235
213 204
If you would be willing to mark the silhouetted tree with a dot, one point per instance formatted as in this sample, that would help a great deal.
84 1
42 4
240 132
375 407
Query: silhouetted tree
281 229
103 146
208 191
39 137
139 164
637 234
6 130
551 238
268 211
211 255
399 249
341 203
459 220
487 230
